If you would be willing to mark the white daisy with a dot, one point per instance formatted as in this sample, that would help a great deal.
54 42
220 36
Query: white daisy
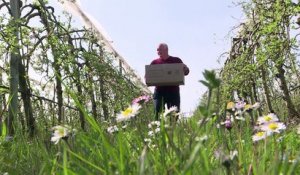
171 110
59 133
130 112
273 127
259 136
112 129
271 117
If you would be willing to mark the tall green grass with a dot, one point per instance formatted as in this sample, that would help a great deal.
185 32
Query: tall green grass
183 147
174 150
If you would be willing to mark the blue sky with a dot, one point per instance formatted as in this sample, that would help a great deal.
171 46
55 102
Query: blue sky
196 31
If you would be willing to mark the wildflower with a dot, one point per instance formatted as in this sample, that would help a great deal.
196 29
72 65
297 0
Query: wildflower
238 113
248 107
150 133
141 99
228 124
152 146
153 124
273 127
293 159
200 122
214 115
147 140
298 129
60 132
280 139
219 154
156 130
130 112
166 126
225 158
153 131
240 104
290 158
201 139
230 106
271 117
182 117
171 111
233 154
241 118
256 105
185 116
112 129
260 135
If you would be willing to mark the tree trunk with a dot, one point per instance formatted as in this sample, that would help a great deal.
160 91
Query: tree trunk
286 96
92 96
25 94
14 71
266 89
103 99
255 97
56 65
59 90
1 102
81 115
42 107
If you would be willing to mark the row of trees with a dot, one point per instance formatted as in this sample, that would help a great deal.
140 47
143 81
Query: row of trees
262 64
55 71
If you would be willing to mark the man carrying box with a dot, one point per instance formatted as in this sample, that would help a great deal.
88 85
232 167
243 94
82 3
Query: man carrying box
166 94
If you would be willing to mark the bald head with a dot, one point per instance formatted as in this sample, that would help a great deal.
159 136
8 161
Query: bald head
162 51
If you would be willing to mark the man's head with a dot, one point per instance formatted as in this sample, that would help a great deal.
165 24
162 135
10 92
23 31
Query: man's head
162 51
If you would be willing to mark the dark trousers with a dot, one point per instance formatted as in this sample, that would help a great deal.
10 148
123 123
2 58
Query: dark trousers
162 98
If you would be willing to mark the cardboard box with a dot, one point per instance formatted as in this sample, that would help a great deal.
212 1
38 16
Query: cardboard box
164 74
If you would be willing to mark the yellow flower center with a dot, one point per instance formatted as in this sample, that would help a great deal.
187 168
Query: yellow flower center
260 134
61 132
127 112
247 106
273 126
230 105
268 118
